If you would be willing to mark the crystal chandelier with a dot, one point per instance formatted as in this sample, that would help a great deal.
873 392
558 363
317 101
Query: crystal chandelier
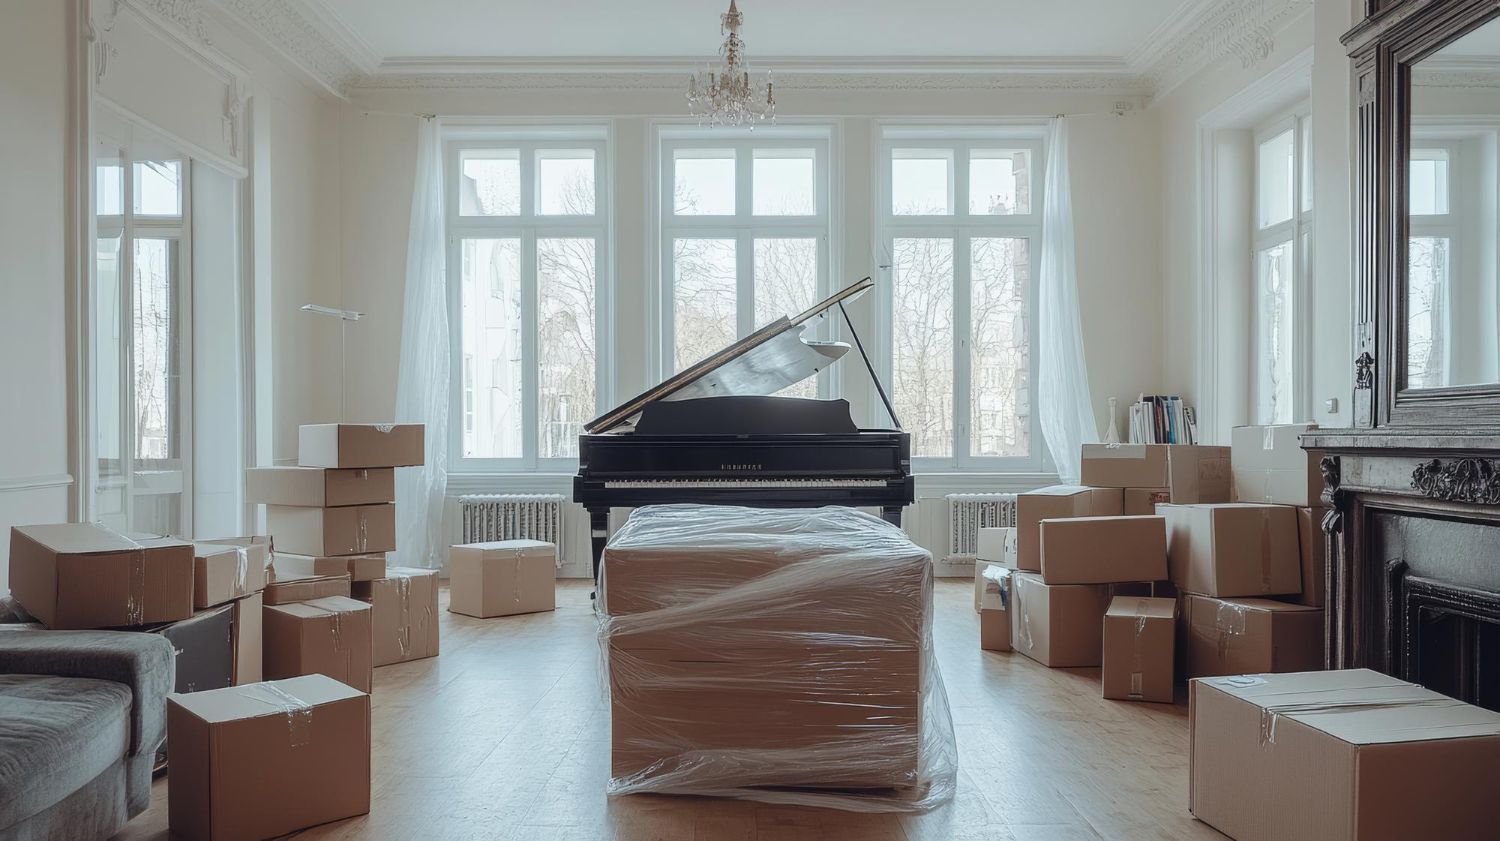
727 96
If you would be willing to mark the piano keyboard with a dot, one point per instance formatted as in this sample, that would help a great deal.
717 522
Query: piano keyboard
747 483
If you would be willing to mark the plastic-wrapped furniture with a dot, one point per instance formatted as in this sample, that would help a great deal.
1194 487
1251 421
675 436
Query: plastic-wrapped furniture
81 715
775 655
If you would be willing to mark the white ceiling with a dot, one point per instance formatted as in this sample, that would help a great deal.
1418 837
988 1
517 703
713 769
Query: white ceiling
1075 29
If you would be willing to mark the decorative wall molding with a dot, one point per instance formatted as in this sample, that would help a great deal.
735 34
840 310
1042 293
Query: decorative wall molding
1460 480
309 34
184 15
32 483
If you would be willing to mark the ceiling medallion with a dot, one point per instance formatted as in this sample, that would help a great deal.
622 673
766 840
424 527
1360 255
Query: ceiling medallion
727 95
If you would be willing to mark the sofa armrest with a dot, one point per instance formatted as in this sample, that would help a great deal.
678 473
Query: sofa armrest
144 662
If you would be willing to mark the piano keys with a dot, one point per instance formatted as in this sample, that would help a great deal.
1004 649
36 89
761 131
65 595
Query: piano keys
716 434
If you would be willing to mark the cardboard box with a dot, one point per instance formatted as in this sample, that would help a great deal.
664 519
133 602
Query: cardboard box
82 575
360 445
1055 502
1124 465
1138 649
285 589
1103 550
1233 549
1251 636
1310 542
205 649
366 567
1197 473
330 636
1057 625
994 611
979 568
223 573
1141 502
1271 466
403 614
320 487
504 578
997 545
245 622
267 759
1340 756
321 532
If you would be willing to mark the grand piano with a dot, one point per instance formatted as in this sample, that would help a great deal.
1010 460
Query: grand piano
716 434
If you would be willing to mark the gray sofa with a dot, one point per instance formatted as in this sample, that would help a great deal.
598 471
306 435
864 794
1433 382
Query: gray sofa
81 716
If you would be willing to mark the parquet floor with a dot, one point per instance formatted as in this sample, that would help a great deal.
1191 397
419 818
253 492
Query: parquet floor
506 736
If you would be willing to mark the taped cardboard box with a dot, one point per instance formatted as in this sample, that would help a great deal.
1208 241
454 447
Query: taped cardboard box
1124 465
1141 502
994 610
1233 549
223 573
1271 466
246 621
285 589
502 578
330 636
367 567
1056 502
267 759
403 614
82 575
205 649
1251 636
1340 756
320 487
1103 550
323 532
1057 625
1312 549
1138 649
1197 473
979 568
360 445
997 545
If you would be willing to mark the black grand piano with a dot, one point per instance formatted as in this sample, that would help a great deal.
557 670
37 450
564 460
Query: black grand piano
715 434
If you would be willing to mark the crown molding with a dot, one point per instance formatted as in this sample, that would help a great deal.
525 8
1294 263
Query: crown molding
1243 29
325 54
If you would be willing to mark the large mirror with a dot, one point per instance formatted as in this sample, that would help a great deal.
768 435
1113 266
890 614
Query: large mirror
1452 316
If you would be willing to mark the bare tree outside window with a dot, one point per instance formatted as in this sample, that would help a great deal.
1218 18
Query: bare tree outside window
922 342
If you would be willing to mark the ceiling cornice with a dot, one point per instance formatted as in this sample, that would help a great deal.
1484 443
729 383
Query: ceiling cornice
310 35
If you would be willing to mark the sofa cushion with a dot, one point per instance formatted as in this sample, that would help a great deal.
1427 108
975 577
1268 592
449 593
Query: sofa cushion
56 734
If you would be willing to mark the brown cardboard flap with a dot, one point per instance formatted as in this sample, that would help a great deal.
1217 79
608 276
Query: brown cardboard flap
360 445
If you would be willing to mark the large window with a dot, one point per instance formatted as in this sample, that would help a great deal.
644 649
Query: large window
1431 249
744 238
527 219
1282 268
960 237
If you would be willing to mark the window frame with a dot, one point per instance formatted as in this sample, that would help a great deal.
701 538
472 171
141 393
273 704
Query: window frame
962 227
744 227
1440 226
527 227
1298 232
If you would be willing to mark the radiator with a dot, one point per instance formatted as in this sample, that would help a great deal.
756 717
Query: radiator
968 513
489 517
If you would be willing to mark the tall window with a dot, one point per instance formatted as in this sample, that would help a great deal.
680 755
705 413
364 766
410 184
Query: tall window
744 238
960 236
1430 254
526 225
1282 266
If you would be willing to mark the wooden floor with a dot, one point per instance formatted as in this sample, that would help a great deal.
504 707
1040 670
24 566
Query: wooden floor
506 736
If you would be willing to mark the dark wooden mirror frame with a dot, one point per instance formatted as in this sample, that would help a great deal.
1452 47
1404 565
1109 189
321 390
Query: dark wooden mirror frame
1382 48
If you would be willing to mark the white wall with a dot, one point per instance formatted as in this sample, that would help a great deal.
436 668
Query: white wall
33 330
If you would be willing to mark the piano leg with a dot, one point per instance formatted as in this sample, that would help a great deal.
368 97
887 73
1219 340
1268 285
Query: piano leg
598 535
891 514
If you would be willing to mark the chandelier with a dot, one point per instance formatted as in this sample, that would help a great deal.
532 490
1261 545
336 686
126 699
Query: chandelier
728 96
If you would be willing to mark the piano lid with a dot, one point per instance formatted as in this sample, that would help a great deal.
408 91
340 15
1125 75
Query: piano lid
764 362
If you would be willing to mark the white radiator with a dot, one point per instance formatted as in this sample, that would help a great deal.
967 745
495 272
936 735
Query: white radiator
968 513
489 517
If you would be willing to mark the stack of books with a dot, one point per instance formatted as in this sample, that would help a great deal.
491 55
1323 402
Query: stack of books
1163 419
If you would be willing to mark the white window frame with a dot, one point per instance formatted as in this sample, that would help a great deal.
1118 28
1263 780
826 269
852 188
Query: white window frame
528 226
1298 231
1442 226
962 227
744 226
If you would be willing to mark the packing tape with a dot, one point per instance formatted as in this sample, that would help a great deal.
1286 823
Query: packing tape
1026 638
1229 622
362 474
241 569
403 631
383 427
361 531
1265 550
1137 665
1268 438
1272 714
298 712
135 597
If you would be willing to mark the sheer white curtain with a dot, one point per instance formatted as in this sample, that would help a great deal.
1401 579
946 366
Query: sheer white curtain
1063 381
422 379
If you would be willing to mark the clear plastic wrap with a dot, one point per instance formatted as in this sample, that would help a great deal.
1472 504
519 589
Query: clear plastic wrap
783 656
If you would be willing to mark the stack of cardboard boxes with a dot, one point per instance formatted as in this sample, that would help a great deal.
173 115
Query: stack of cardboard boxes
1149 563
333 607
